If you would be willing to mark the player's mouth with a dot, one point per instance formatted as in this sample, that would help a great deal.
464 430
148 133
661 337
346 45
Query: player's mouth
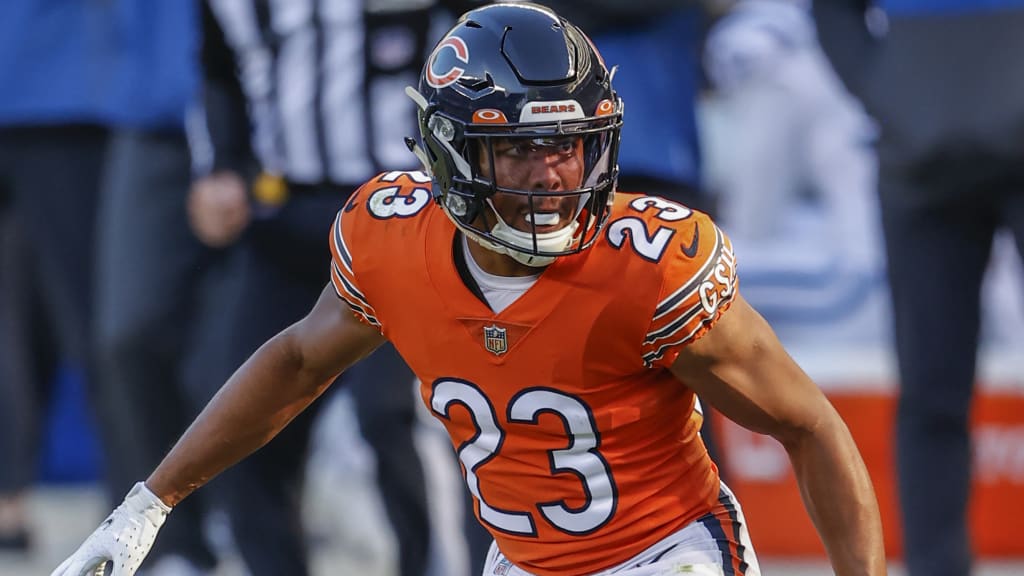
544 221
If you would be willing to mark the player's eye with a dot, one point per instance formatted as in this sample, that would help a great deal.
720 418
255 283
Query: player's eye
514 149
567 146
511 148
521 147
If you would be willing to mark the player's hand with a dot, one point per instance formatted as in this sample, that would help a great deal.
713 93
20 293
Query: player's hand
124 538
218 208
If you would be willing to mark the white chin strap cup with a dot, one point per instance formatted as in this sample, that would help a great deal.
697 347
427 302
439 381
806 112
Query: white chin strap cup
557 241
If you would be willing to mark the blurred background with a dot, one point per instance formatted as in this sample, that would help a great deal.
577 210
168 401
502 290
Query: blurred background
169 170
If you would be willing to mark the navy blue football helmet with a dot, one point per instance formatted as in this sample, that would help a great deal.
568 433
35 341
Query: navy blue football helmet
508 71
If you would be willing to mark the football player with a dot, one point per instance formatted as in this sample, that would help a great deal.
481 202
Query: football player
561 331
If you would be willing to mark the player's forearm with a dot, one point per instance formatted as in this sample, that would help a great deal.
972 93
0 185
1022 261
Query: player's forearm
837 491
259 399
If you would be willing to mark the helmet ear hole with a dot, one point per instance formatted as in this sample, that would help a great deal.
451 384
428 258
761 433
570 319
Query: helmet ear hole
457 205
474 208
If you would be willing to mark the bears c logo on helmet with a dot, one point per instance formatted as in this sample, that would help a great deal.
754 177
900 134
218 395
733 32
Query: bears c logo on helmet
453 73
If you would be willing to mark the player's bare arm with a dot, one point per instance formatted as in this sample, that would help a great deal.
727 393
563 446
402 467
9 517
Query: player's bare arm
276 383
272 387
740 368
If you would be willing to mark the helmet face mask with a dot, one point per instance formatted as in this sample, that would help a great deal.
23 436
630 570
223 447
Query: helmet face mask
517 76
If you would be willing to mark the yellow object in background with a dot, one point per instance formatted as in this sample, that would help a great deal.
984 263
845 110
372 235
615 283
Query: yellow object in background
270 189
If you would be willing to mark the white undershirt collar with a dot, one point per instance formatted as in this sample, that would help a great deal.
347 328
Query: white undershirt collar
499 291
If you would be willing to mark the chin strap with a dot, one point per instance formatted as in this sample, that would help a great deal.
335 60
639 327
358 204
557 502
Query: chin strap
531 260
557 241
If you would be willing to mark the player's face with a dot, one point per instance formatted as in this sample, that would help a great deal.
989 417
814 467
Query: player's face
543 166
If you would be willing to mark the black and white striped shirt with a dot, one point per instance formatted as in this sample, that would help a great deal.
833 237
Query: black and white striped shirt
313 90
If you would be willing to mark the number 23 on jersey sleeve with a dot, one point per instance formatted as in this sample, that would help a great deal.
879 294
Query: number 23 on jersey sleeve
698 267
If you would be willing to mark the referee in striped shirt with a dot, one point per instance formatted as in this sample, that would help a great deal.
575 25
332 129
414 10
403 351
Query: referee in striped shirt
304 102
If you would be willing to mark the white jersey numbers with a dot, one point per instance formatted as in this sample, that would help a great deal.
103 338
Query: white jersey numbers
580 457
667 210
390 202
482 448
650 246
635 230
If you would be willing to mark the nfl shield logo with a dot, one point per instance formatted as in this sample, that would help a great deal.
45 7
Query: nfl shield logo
495 340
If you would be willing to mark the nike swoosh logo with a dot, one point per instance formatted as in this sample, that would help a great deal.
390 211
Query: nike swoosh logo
691 250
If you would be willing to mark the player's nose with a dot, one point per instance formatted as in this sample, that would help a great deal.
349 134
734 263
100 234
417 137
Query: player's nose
544 175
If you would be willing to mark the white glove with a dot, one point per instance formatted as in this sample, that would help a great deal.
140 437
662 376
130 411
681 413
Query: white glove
124 538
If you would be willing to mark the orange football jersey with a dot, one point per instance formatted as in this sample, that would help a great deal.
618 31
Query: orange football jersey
580 448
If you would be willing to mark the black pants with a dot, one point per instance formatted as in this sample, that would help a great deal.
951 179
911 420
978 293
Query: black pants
162 300
28 357
285 266
938 247
950 175
49 177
